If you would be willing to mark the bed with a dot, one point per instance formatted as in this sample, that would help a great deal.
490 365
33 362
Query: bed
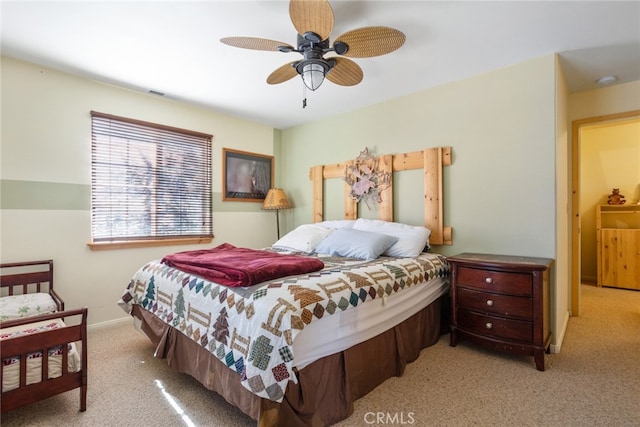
299 349
42 347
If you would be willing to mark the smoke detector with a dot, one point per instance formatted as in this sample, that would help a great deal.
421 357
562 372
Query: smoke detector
606 80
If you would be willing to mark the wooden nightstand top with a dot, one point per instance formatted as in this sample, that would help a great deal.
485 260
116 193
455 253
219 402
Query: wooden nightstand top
502 261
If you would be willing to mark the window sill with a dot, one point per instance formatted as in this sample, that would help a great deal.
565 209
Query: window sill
99 246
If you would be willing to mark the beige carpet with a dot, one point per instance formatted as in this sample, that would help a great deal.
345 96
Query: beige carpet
594 381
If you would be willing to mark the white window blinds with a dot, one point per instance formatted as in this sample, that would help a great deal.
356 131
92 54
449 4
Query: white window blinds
148 181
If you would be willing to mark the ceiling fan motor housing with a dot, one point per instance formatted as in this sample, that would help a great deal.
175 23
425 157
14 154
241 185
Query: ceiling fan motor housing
308 42
313 53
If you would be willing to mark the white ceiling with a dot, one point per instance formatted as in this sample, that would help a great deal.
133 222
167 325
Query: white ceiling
173 47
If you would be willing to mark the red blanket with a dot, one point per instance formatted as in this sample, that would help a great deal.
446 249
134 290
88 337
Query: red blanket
231 266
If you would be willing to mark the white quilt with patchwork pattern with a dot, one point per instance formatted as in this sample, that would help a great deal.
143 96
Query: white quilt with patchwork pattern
252 329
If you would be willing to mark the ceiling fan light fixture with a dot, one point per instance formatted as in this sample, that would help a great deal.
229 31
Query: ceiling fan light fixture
313 73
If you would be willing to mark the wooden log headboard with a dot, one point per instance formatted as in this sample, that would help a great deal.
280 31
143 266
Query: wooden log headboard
430 160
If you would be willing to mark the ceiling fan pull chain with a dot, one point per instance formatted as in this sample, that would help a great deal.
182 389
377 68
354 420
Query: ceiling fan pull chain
304 96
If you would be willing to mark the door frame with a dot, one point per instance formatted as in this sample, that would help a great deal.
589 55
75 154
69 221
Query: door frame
576 125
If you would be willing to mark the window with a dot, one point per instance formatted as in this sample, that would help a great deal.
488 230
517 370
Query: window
148 181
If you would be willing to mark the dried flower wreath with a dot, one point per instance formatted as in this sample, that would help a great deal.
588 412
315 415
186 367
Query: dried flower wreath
365 180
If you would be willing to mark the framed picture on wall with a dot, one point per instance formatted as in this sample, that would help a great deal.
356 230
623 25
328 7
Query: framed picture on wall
246 177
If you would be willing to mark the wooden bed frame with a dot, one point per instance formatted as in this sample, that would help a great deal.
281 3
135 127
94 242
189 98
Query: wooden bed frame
430 160
42 281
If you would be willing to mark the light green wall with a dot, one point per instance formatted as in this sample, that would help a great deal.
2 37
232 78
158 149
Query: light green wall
45 179
499 192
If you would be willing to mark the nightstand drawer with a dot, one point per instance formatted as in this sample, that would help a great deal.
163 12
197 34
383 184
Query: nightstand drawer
511 329
504 305
495 281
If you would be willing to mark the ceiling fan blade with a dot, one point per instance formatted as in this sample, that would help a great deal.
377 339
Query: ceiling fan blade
345 72
254 43
371 41
312 15
282 74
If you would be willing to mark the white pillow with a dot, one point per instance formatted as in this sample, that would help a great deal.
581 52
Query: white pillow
304 238
337 223
412 239
351 243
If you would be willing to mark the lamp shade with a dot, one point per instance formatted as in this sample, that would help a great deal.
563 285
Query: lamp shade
276 199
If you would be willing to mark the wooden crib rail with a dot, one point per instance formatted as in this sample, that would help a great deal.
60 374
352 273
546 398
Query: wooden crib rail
29 277
21 346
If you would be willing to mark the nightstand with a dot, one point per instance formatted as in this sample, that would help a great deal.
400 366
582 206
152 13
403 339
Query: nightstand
501 302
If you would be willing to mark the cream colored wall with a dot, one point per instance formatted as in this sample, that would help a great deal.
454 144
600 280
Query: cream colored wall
500 192
590 107
561 293
609 158
604 101
46 140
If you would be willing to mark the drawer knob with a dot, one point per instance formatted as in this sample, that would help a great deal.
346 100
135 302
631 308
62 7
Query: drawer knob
488 280
490 303
489 325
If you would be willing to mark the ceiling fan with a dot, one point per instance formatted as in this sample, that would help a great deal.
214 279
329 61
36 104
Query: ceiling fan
313 19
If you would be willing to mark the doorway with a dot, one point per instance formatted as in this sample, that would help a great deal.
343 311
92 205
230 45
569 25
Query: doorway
576 128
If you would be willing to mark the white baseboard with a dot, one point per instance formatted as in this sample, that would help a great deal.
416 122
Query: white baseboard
555 348
109 323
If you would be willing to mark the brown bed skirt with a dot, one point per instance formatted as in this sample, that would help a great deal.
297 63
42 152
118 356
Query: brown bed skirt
326 389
